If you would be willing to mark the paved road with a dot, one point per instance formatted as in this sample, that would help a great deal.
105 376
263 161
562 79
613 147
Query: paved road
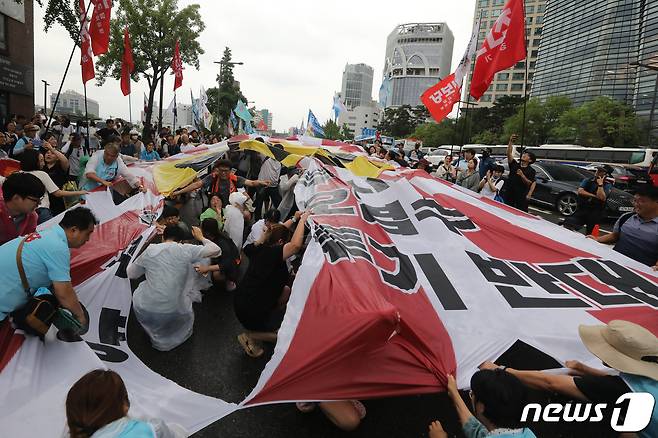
212 363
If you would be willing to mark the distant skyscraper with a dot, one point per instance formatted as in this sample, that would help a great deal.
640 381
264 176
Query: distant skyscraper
266 116
72 102
589 49
356 88
418 55
510 82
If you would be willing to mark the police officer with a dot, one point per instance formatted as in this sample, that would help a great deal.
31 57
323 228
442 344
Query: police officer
592 196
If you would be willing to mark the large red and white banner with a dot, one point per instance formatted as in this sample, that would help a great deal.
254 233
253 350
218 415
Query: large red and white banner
406 279
100 26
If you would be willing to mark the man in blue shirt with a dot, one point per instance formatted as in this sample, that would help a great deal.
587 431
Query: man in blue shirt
636 234
592 195
47 262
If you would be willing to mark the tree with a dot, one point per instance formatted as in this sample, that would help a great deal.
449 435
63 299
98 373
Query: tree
401 121
436 134
347 133
332 130
229 90
154 27
487 137
541 118
601 122
61 12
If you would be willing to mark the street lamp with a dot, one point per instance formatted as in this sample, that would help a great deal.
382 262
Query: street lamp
221 69
45 94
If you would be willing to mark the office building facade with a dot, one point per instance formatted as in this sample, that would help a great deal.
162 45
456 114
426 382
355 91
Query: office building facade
600 48
359 117
73 103
16 59
356 88
418 55
510 82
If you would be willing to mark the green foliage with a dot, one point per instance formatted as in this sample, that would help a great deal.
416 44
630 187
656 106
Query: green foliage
154 27
332 130
541 119
436 134
487 137
229 90
346 133
62 12
402 121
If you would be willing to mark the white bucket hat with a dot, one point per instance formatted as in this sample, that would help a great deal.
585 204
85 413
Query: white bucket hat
624 346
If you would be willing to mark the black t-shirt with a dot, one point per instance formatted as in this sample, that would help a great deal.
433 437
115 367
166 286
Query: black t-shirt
514 182
128 149
601 389
59 177
106 133
261 288
224 186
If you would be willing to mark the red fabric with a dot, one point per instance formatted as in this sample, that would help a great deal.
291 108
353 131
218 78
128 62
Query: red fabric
440 98
503 47
106 242
10 342
86 54
343 349
262 126
9 166
100 26
127 64
177 67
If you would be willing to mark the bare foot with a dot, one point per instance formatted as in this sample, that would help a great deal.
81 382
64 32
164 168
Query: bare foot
436 430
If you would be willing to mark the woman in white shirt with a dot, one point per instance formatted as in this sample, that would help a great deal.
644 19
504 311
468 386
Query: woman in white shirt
161 303
492 183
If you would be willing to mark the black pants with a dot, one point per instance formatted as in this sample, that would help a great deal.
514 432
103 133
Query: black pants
271 193
517 200
585 215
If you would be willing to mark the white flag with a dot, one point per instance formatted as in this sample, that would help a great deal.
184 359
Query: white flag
465 64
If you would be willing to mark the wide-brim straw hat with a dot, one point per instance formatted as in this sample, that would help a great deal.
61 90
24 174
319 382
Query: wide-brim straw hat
624 346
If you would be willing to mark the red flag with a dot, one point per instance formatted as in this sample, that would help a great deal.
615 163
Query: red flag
262 126
440 98
177 67
100 26
127 64
86 55
503 47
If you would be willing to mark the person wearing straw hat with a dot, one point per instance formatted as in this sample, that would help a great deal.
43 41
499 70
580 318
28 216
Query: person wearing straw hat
621 345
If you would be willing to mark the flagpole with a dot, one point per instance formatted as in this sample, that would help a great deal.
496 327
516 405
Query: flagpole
130 109
175 111
525 86
66 71
84 87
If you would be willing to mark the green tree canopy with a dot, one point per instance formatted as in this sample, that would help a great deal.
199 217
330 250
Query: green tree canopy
402 121
436 134
541 118
347 133
332 130
154 27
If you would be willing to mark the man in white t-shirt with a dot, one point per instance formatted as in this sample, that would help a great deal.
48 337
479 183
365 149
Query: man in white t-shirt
492 183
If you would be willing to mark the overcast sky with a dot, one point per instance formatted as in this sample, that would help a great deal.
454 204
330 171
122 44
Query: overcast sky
294 51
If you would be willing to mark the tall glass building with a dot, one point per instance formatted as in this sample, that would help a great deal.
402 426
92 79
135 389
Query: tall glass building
356 88
592 48
418 55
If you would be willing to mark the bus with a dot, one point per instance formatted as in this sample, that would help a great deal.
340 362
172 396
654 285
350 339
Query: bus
579 155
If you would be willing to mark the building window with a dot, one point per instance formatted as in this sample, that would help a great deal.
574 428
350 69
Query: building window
539 19
3 33
518 76
503 76
498 2
541 9
536 42
501 87
538 31
529 9
528 20
534 53
517 87
484 3
486 98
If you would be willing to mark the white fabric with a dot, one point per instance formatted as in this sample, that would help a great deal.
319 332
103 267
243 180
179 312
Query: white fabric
51 187
234 224
257 231
160 302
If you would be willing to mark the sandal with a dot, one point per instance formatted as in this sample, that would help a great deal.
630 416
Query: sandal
252 349
358 406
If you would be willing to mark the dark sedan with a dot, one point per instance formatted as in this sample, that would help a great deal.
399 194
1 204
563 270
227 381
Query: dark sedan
557 188
627 178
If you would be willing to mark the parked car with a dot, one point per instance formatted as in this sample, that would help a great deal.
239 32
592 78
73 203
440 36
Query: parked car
627 178
557 188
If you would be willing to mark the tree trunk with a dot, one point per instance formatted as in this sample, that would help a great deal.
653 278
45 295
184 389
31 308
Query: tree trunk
146 133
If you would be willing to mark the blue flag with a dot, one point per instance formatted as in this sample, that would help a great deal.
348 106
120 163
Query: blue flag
234 120
242 111
338 107
384 92
196 118
313 127
248 128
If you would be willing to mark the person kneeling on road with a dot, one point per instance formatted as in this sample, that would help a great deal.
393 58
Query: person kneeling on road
31 265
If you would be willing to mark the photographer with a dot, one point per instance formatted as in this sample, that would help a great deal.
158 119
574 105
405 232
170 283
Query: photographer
592 195
521 180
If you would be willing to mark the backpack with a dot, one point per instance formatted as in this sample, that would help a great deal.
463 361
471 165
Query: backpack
623 218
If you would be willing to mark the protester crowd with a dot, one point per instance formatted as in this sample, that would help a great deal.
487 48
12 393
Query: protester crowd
237 228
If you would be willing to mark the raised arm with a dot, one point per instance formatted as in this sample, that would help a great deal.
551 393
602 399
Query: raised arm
510 148
297 241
